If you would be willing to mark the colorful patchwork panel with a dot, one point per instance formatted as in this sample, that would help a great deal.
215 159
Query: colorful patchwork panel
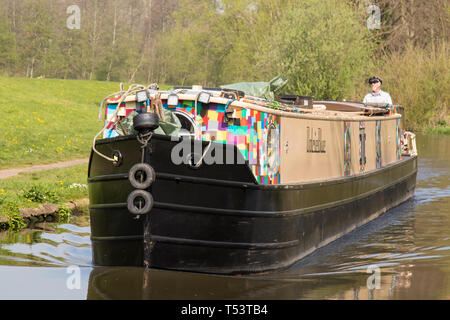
247 130
347 147
125 110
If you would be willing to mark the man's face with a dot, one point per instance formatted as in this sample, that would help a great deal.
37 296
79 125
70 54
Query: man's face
375 86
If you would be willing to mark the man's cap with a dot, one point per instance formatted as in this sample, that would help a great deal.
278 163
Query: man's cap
375 79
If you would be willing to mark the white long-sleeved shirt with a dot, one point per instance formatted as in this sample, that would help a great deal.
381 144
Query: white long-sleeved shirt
380 97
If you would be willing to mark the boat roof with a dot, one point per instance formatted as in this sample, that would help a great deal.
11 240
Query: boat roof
315 109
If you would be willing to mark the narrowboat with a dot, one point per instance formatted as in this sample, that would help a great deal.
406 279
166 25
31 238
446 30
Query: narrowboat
217 181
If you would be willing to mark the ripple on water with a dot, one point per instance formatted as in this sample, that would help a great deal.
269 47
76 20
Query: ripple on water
57 245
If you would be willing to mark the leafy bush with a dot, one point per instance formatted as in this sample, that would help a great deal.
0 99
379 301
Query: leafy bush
322 46
35 194
15 220
63 214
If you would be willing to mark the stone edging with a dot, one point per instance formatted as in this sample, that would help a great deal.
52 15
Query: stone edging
45 213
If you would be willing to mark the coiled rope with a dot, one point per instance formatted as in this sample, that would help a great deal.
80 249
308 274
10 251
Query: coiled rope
144 139
123 95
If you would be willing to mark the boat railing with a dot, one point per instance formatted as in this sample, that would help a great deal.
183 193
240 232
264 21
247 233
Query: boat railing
409 144
325 110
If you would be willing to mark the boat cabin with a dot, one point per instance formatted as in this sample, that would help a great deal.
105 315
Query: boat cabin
292 140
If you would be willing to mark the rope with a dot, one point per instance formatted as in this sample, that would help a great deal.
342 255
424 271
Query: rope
131 90
199 163
226 107
196 102
102 105
411 148
144 139
157 106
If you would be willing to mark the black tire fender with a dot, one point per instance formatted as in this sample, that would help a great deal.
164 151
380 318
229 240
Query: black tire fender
141 176
140 202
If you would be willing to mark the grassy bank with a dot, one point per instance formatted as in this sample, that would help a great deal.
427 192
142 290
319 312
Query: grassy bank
48 120
438 130
30 190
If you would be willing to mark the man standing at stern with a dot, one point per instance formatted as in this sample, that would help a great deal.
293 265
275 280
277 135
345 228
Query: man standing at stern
377 96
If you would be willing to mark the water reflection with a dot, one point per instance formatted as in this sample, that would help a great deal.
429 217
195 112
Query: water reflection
410 245
50 245
160 284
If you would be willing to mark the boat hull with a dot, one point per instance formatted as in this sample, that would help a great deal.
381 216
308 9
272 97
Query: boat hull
216 219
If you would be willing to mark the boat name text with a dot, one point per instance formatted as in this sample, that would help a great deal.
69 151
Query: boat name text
314 142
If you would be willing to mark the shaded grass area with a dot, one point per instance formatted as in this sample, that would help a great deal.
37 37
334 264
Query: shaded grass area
30 190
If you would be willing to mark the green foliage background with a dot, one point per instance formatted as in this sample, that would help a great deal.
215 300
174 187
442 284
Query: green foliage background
324 47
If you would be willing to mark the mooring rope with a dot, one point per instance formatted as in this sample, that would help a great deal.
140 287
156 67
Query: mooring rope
157 106
199 163
144 139
131 90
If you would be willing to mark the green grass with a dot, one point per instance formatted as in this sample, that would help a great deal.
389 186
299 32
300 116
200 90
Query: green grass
438 130
29 190
48 120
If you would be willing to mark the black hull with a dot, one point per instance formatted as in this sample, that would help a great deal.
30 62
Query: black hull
216 219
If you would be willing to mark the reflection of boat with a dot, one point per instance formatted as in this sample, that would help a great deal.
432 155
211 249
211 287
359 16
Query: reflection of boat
251 185
118 283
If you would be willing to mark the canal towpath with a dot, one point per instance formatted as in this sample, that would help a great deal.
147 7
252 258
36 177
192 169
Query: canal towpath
46 211
7 173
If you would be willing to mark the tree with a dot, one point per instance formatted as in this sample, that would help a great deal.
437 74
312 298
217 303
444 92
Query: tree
8 54
416 22
37 35
322 46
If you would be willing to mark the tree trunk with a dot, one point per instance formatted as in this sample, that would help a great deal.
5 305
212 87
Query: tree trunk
94 42
108 77
148 40
32 68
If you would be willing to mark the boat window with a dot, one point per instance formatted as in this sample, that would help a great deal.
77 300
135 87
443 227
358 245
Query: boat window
378 142
362 144
187 123
273 148
347 148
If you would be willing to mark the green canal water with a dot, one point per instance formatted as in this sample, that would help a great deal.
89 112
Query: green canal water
404 254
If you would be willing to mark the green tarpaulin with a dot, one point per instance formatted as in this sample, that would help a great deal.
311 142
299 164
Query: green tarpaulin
266 90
